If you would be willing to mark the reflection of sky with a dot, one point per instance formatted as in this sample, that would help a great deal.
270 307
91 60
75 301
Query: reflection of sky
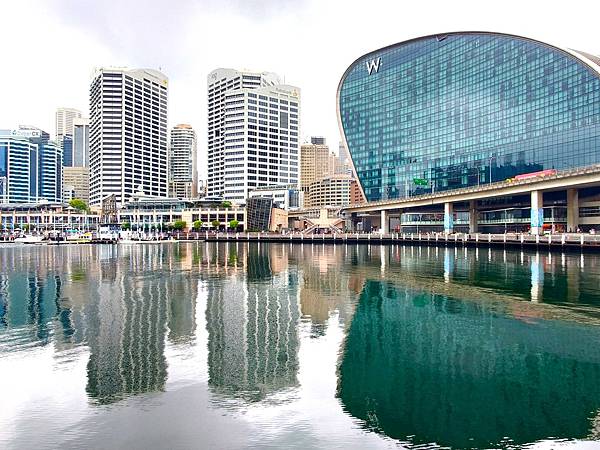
54 377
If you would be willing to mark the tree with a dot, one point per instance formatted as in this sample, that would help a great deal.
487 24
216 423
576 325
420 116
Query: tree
197 224
226 204
233 224
215 223
79 204
179 225
126 226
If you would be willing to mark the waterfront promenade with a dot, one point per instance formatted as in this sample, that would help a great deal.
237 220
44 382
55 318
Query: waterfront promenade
560 242
572 241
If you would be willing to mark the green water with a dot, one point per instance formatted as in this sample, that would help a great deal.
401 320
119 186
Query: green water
196 345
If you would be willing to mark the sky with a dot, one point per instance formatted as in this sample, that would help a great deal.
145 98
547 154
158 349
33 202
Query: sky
50 48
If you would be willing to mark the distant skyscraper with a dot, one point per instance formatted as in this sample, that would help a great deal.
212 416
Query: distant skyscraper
183 174
315 162
343 153
81 142
253 124
128 134
64 132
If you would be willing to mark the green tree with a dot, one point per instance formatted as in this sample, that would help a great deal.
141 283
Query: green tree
197 224
79 204
226 204
233 224
126 226
179 225
215 223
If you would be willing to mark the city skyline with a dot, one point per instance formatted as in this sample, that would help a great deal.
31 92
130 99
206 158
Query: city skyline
312 63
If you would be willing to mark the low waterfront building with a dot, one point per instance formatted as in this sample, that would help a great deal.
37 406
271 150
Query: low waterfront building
45 216
158 212
284 197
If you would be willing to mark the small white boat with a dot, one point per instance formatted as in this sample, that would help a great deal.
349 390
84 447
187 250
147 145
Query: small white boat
30 239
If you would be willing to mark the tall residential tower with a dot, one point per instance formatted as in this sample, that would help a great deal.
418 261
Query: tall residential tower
253 125
128 134
183 172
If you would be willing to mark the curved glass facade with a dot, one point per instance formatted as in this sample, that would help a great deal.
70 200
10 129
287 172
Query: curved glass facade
462 109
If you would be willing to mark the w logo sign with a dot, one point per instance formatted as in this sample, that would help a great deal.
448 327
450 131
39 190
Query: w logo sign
373 65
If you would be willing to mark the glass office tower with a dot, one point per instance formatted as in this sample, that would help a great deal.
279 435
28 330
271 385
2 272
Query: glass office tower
461 109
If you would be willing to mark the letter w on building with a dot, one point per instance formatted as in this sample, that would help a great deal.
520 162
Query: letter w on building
373 65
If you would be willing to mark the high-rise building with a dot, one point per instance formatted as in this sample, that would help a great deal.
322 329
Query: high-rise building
30 166
461 109
49 164
76 181
18 168
64 132
128 134
315 162
183 172
343 153
81 142
253 125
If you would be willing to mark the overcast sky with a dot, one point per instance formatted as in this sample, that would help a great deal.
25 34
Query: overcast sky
49 48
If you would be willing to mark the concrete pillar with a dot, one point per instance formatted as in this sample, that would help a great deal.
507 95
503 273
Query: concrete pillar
473 226
537 212
448 218
385 224
572 210
537 278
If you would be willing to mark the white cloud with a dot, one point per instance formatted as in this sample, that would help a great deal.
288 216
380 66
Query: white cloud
49 49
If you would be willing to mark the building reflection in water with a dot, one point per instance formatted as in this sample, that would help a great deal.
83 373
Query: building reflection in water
425 368
118 300
136 301
252 318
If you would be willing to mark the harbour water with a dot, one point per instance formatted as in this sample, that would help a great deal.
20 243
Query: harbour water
254 345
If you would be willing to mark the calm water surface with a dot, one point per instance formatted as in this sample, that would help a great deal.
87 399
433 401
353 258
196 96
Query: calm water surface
196 345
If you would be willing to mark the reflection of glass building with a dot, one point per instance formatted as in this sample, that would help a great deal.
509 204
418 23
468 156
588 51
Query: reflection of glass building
426 368
459 109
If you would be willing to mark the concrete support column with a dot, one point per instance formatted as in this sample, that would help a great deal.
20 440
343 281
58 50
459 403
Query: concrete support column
473 226
537 212
448 218
572 210
385 224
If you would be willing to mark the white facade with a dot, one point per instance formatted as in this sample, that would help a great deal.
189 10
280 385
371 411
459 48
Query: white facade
229 120
64 121
183 172
128 134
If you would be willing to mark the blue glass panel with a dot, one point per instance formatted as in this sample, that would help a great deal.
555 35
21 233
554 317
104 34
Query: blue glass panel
466 109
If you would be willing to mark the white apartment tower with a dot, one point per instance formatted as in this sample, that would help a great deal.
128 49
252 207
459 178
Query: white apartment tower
128 134
183 173
253 126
